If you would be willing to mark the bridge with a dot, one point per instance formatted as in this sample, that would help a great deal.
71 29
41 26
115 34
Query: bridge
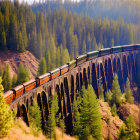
96 71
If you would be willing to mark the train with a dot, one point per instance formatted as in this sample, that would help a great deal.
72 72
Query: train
14 93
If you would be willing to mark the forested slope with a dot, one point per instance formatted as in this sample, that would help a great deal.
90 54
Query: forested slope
59 36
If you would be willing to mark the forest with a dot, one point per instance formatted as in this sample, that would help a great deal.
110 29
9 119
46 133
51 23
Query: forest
62 32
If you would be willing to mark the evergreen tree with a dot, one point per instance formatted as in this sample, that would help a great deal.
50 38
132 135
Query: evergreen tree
1 71
101 94
14 80
62 126
23 74
83 51
42 68
7 83
34 114
114 110
108 96
90 118
128 131
6 119
116 91
4 41
128 93
76 119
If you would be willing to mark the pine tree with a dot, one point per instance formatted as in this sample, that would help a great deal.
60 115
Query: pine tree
76 119
128 131
4 42
6 119
42 68
101 94
62 126
23 74
116 91
128 93
14 80
7 83
90 118
108 96
114 110
83 51
34 115
1 71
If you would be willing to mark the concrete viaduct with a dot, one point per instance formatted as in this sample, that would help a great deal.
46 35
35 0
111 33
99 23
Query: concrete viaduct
93 72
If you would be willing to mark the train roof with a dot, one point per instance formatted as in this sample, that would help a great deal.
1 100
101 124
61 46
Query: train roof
7 93
64 66
116 47
84 55
56 70
92 52
44 75
73 61
29 82
18 87
104 49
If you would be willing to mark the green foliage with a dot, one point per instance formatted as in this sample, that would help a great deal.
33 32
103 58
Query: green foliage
114 110
34 115
116 91
128 131
108 96
128 93
90 118
7 83
42 68
6 119
14 80
62 126
101 94
1 71
23 74
76 118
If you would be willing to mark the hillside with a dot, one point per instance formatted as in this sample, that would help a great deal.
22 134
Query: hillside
14 58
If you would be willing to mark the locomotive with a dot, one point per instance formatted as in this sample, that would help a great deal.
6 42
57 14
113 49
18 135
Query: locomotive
14 93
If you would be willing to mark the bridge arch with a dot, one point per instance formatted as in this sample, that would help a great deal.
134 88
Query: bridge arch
119 72
81 80
85 81
72 88
63 100
24 114
89 78
109 74
114 65
125 69
94 79
77 83
106 72
132 66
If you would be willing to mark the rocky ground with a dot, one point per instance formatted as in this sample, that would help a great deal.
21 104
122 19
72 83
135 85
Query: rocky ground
13 58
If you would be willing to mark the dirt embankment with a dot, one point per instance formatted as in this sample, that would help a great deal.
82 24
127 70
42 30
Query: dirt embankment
13 58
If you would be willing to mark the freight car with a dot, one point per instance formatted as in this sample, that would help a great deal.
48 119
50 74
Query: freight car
19 90
64 69
29 85
43 79
81 59
55 73
9 96
72 64
92 55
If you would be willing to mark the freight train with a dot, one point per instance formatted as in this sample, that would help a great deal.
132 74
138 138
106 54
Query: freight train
14 93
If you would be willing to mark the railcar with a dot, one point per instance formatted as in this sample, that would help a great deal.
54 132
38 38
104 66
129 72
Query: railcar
105 51
116 49
9 96
29 85
81 59
64 69
55 73
43 79
128 48
72 64
19 90
92 55
137 47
